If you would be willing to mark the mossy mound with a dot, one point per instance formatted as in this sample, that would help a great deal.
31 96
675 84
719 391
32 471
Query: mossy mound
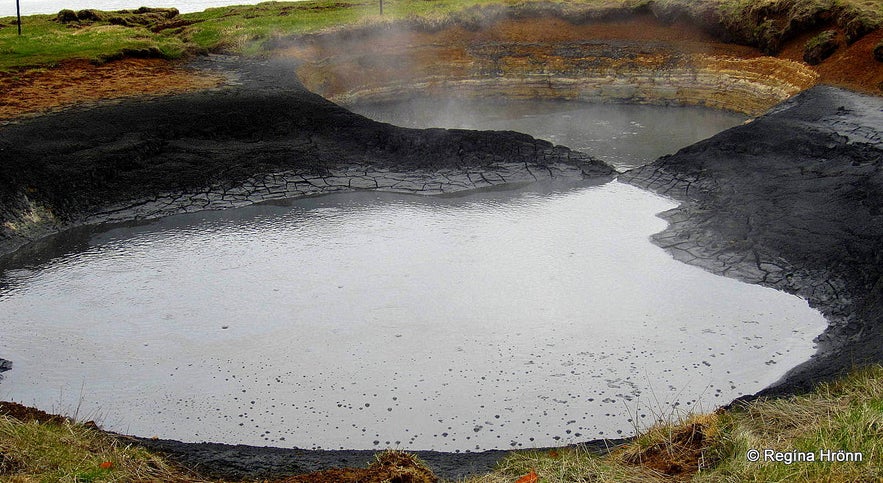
820 47
144 16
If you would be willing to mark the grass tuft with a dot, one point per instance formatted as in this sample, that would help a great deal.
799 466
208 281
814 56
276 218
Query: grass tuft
68 451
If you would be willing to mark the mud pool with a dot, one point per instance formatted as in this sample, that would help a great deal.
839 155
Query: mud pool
533 316
623 135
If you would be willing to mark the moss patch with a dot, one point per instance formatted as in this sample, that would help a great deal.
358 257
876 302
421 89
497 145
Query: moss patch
820 47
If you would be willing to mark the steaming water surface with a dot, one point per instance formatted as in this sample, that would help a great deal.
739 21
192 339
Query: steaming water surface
529 317
623 135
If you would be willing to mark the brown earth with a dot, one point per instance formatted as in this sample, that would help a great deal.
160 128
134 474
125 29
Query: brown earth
679 457
852 67
28 414
631 59
392 467
79 83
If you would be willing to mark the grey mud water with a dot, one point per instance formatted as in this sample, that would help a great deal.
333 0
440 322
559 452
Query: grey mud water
360 321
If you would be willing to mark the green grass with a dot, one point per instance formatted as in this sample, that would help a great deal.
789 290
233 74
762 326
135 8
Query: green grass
247 30
71 452
846 415
46 42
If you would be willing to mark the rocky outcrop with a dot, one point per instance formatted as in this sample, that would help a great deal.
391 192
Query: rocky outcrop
546 58
266 139
792 201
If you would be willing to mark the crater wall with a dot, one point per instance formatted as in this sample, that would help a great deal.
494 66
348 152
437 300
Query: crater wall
636 60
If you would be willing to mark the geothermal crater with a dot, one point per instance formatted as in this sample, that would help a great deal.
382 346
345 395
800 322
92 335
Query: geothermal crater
354 286
510 318
636 60
269 139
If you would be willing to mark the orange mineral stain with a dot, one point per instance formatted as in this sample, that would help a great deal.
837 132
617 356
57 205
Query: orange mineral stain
528 478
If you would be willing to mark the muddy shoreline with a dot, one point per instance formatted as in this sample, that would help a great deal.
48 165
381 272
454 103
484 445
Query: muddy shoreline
263 137
791 200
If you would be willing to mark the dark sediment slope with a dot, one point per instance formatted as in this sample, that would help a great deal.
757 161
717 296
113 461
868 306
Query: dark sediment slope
240 461
793 200
205 150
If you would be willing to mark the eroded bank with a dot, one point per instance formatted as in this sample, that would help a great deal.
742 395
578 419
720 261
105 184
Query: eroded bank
636 60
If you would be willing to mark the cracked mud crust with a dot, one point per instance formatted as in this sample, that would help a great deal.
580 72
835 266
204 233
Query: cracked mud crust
267 138
791 201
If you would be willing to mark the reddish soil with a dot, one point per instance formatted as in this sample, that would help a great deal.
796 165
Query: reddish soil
852 67
27 414
80 82
76 83
640 27
390 467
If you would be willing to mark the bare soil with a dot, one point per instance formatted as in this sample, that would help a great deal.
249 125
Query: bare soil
81 83
390 467
28 414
